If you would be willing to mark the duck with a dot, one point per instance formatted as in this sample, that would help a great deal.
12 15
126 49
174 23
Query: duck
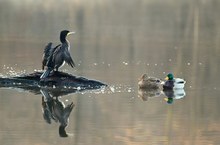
150 83
173 83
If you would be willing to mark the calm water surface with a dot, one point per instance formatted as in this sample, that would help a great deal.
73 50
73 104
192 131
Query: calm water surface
115 42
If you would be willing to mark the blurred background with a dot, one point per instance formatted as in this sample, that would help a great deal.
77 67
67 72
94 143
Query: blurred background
115 42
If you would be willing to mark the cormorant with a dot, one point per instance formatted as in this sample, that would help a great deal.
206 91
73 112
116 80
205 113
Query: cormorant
55 57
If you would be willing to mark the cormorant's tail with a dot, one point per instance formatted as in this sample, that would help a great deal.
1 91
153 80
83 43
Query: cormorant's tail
46 73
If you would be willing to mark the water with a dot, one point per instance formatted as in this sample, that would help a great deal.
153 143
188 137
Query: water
115 42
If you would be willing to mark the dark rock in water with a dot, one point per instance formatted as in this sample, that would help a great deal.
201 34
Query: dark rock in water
56 80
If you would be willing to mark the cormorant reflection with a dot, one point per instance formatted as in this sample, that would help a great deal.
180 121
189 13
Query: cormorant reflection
54 109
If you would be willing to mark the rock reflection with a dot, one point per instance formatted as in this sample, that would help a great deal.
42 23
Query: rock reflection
55 109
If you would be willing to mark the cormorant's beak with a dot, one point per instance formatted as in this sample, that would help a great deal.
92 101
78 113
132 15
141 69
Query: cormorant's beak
166 78
70 33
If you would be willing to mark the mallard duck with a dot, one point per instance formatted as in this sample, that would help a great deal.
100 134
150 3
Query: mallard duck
173 83
146 82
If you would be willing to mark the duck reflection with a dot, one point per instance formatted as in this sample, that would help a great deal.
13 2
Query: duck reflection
171 95
55 109
174 94
144 94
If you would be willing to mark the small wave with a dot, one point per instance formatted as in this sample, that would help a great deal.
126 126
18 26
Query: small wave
119 88
9 71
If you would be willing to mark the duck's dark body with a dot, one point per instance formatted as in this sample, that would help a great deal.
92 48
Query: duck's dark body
168 85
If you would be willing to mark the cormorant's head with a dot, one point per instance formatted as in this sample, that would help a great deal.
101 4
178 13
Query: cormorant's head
63 35
169 76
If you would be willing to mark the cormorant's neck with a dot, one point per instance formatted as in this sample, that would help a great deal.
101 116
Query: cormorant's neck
62 131
65 44
63 39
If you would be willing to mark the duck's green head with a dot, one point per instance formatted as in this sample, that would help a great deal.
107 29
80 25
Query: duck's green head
169 76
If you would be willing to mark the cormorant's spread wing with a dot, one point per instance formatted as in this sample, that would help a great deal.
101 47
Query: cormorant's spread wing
67 110
46 54
52 52
68 59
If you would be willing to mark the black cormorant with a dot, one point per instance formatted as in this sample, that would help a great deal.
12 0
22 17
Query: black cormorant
55 57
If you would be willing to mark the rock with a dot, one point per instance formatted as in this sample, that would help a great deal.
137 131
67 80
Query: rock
55 81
